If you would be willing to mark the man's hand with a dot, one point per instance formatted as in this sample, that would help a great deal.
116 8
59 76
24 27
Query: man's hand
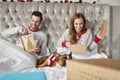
37 49
101 33
23 30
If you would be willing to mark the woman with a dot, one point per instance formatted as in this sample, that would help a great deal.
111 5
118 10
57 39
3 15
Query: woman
79 34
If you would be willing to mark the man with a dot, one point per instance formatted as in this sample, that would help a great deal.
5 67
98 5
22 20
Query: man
40 37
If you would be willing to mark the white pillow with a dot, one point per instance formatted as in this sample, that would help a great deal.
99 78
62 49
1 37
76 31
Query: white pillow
14 59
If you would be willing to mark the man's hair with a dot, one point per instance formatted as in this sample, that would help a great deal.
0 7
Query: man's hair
38 13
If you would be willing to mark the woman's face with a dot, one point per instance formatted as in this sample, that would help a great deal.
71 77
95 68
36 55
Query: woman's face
35 22
78 24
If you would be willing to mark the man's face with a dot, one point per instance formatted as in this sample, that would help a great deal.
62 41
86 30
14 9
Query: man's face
35 22
78 24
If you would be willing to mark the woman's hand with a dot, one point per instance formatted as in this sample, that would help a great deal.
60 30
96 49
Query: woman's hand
101 33
67 44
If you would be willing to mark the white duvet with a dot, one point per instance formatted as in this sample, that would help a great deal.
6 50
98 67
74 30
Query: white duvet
14 59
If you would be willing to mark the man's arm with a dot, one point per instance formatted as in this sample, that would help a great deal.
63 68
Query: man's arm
43 45
11 32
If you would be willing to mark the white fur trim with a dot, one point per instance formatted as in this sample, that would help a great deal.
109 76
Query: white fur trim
62 50
53 58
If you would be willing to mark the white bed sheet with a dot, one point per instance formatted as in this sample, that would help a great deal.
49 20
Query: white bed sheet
13 59
52 73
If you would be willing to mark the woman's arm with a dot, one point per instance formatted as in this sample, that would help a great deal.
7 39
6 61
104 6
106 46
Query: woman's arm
63 39
99 36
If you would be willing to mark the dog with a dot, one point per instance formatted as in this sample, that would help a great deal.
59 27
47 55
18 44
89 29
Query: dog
53 60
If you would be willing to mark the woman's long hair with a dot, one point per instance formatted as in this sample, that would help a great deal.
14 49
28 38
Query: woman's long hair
72 32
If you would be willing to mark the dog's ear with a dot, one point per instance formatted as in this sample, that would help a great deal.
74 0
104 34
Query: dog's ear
69 56
55 52
62 59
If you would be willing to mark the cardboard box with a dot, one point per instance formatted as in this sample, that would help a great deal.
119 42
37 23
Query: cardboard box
78 49
93 69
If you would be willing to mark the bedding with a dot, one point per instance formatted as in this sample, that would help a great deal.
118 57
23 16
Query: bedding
13 59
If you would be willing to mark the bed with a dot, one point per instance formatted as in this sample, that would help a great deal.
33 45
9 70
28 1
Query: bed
56 17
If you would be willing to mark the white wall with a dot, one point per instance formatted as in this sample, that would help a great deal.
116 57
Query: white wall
111 2
115 32
58 0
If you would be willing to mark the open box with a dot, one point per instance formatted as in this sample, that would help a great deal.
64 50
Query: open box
93 69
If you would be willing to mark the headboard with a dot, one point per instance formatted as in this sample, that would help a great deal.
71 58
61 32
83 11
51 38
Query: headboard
56 18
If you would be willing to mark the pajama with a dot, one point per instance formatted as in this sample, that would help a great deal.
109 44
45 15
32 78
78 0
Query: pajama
85 39
40 38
